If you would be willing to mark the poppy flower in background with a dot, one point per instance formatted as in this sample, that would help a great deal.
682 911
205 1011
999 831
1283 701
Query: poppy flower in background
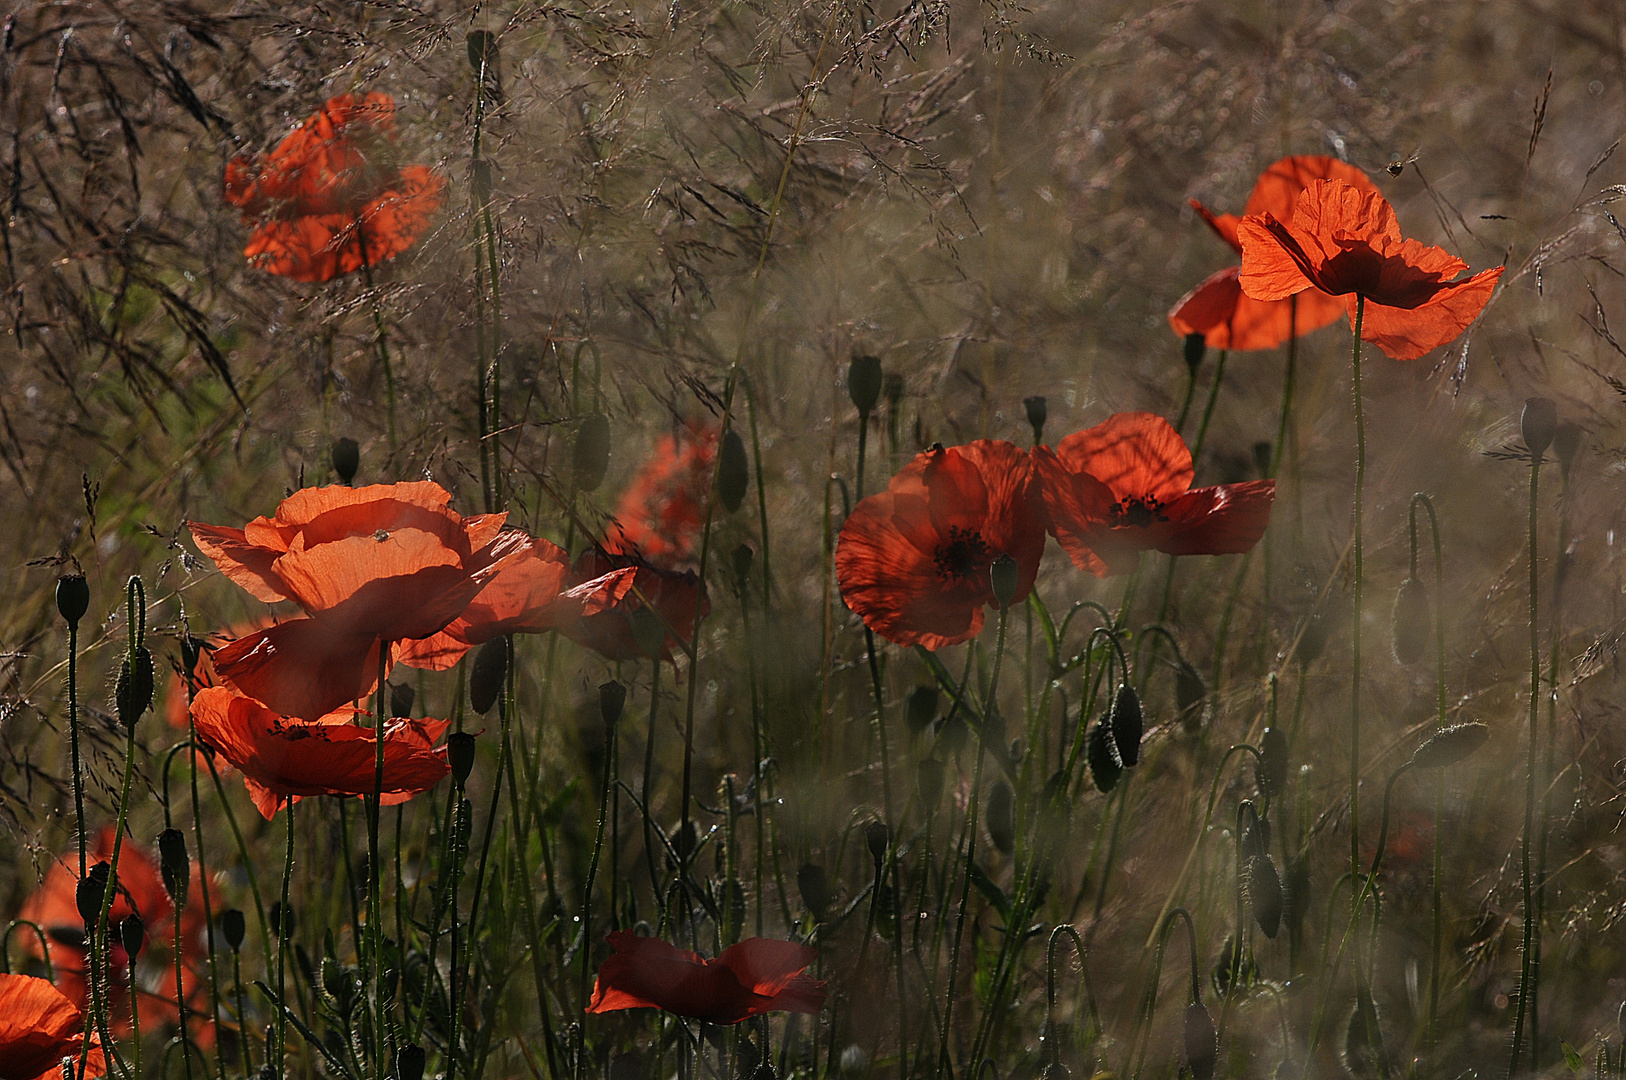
759 975
389 562
1229 318
1124 486
675 595
531 594
663 510
913 561
1345 241
331 199
38 1028
282 758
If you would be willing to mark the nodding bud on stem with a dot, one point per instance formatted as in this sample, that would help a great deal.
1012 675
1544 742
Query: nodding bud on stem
1411 621
133 693
1450 745
1038 413
929 782
1127 725
1202 1041
733 471
921 708
132 935
877 837
1001 816
1102 751
1196 347
612 698
72 598
590 457
232 927
175 864
346 457
864 380
1538 424
1265 894
460 755
814 885
490 668
409 1062
1002 575
87 895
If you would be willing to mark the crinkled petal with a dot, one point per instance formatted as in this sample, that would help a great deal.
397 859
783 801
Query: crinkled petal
301 668
1406 334
241 561
1136 455
1223 520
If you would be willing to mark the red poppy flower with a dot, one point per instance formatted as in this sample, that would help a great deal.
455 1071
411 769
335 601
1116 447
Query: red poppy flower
1123 486
913 560
281 758
38 1028
759 975
663 510
676 596
389 562
1229 318
1345 241
177 701
331 198
531 594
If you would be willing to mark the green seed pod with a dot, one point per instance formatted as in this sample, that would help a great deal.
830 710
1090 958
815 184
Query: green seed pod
590 457
1265 894
132 935
1196 346
175 864
877 837
409 1062
133 693
490 669
864 379
814 885
1127 725
1449 745
929 782
460 755
1202 1041
1538 424
612 698
1273 772
1102 751
232 927
88 894
1038 413
1412 621
1001 816
1004 575
733 470
346 457
72 598
921 708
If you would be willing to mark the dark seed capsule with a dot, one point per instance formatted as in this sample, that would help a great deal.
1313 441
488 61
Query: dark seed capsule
1412 621
1538 424
929 782
864 379
490 668
88 894
1127 725
402 696
132 935
1001 816
232 927
133 693
743 555
1196 346
191 653
72 598
1004 576
877 837
1255 837
1102 751
1038 413
590 457
1265 894
460 755
346 457
409 1062
814 885
921 708
1202 1041
612 698
733 471
1450 745
1273 773
175 864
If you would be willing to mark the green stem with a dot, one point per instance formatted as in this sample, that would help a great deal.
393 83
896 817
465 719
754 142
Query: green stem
1208 409
279 1056
1355 621
1529 971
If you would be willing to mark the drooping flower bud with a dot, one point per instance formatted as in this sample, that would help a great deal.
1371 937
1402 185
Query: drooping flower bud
132 935
490 669
1273 769
1003 576
1102 752
1538 424
460 756
590 457
612 698
346 457
1265 894
1449 745
864 383
72 597
814 885
1411 620
743 555
133 693
409 1062
1127 725
1202 1041
175 864
233 927
920 708
733 470
1196 346
1038 413
402 695
877 837
1001 816
88 894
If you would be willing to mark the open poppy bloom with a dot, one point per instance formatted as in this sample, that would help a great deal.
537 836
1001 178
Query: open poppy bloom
674 595
1345 241
1124 486
759 975
390 562
1229 318
331 199
913 561
285 759
531 594
38 1028
663 510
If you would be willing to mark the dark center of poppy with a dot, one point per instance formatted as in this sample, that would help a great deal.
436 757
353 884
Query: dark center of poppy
964 554
1137 513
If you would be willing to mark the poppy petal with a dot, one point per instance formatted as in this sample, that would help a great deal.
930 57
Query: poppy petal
1278 188
767 967
1224 225
1275 262
301 667
244 563
1136 455
1223 520
1406 334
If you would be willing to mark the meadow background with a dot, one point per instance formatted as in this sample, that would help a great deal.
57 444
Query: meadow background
990 198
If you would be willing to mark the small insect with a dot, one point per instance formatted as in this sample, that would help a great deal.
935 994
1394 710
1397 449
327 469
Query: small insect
1396 167
381 535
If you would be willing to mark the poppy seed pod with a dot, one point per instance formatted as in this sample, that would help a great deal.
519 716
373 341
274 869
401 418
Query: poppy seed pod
612 698
743 555
1273 766
345 454
1001 816
1411 621
1127 725
1450 745
920 708
1265 894
1102 751
733 470
175 863
232 927
876 837
132 935
1196 346
1038 413
1202 1041
490 668
1003 575
1566 442
929 782
72 597
460 755
864 380
409 1062
88 894
133 693
401 698
814 885
1538 424
590 457
191 653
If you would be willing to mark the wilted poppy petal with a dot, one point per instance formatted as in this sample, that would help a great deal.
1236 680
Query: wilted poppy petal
605 625
1223 520
301 668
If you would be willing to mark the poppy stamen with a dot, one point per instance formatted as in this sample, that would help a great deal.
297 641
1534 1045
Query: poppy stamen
965 553
1137 513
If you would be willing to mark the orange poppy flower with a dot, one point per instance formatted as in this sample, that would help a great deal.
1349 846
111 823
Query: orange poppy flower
330 198
531 594
38 1028
675 595
663 510
1124 486
177 702
1229 318
1345 241
389 562
759 975
913 560
282 758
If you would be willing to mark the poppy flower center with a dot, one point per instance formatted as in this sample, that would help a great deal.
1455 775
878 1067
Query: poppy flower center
1137 513
965 553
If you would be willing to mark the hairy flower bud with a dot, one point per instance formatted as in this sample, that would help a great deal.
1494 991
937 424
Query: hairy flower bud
1449 745
233 927
133 693
590 457
175 864
1102 751
490 669
864 379
346 457
72 597
1196 346
132 935
877 837
1004 575
733 471
460 755
88 894
920 708
1265 894
409 1062
1538 424
1202 1041
1411 621
1127 725
612 698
